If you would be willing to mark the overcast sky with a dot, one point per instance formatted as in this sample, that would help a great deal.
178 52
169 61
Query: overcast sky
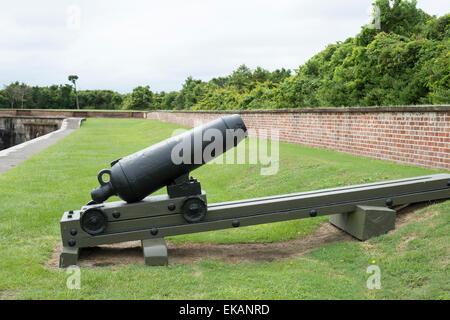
119 45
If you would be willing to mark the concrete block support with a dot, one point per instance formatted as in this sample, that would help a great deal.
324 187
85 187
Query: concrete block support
365 222
155 252
68 257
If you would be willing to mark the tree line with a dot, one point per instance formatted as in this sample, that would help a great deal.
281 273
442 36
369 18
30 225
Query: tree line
19 95
403 62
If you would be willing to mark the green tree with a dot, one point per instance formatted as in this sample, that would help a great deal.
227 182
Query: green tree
4 103
190 94
140 99
241 78
13 93
73 78
401 17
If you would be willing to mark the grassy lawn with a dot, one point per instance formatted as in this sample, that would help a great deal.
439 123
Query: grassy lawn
414 261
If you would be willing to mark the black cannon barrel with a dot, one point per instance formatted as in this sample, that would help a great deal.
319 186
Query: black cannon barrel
134 177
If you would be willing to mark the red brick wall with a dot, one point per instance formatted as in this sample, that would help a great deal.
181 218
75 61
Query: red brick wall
411 135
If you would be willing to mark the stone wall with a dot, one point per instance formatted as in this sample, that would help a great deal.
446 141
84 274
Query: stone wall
18 129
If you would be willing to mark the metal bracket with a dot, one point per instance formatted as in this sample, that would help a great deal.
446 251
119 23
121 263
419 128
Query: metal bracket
184 186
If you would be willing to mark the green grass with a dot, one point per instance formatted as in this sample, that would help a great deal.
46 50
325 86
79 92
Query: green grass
34 195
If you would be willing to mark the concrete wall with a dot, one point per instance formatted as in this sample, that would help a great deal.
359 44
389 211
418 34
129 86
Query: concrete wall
18 129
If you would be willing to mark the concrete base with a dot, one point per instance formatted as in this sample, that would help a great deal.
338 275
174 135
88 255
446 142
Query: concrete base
365 222
68 257
155 252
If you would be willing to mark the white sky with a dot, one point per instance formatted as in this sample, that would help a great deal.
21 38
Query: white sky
119 45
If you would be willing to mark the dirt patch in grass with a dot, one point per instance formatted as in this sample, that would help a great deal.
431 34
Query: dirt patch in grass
250 186
370 249
8 294
128 253
406 214
256 252
402 246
